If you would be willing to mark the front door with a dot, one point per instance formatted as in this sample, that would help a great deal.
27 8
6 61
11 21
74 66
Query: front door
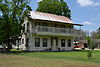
54 43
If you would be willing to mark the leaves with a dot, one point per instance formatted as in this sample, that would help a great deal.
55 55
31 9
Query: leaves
91 43
13 12
54 7
96 34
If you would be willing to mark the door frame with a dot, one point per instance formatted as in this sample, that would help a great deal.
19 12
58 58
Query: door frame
52 44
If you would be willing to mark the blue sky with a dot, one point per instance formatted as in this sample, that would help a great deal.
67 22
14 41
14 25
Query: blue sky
86 12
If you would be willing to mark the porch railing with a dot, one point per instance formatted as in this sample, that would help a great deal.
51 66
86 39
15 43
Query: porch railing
57 30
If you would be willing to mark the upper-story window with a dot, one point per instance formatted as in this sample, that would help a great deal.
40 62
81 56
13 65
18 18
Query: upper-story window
63 26
45 27
56 28
23 27
55 25
37 23
44 24
63 30
70 26
27 26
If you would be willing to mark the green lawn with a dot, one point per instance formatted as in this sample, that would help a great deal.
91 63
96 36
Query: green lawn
49 59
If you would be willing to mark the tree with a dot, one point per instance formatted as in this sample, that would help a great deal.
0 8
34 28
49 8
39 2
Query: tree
96 35
58 7
89 54
91 43
11 17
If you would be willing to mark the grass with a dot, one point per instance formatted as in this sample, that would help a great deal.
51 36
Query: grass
49 59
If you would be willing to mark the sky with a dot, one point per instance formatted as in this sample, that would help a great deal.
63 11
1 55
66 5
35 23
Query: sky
86 12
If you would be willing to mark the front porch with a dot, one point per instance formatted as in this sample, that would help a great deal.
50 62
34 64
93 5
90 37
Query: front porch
50 43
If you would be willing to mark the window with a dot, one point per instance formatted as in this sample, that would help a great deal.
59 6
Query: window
37 24
44 24
56 29
22 41
45 28
37 42
55 25
23 27
63 26
28 27
63 29
45 41
27 42
63 42
70 26
69 42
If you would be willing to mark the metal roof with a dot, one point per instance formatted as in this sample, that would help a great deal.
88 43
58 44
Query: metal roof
50 17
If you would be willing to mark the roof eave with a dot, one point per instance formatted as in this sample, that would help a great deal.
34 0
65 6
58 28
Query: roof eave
58 21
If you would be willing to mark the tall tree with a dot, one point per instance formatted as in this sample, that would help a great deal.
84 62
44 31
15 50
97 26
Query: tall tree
96 34
11 17
91 43
58 7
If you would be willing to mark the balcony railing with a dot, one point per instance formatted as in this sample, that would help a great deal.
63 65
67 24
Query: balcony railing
57 30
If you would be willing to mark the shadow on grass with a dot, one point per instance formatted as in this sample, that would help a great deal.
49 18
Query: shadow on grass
15 52
19 52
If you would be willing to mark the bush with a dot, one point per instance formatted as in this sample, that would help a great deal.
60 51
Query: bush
89 55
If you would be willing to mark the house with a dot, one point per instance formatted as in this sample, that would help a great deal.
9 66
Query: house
45 31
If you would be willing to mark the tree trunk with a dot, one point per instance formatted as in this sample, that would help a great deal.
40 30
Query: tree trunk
9 46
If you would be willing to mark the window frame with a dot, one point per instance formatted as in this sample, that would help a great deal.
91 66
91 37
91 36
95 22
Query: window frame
28 27
45 25
69 42
37 24
45 42
27 42
22 41
37 44
63 44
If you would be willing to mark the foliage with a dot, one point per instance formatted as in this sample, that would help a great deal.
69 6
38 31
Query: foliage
58 7
96 34
11 17
91 43
89 55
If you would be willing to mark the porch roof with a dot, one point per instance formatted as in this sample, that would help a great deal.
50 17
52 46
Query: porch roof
51 17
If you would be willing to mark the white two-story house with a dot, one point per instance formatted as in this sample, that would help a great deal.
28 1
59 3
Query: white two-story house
45 31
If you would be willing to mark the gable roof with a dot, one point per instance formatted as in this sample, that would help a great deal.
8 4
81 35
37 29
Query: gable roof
50 17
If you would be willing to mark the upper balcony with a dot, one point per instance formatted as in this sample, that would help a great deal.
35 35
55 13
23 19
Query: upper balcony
44 30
